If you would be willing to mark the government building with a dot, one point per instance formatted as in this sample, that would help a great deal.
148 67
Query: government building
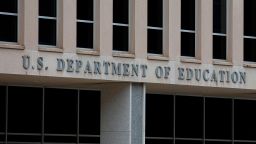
127 71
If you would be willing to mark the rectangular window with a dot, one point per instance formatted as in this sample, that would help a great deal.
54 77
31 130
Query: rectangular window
85 23
60 115
189 117
245 120
249 30
9 20
121 25
155 26
48 22
219 29
188 28
89 116
218 118
24 114
159 118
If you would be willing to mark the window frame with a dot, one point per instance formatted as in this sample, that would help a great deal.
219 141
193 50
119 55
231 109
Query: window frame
195 32
223 35
162 29
129 26
246 37
57 19
83 49
19 44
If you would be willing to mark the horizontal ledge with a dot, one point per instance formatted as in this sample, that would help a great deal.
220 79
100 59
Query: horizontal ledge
158 57
190 60
250 64
86 51
7 45
222 62
50 49
123 54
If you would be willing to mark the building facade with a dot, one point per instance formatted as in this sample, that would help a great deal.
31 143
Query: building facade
128 71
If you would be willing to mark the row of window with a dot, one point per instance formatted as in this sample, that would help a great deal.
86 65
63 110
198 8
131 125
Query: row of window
188 119
50 115
48 16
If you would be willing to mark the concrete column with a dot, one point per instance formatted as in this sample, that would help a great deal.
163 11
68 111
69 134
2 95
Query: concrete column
172 28
122 114
204 30
235 32
138 23
28 27
104 20
67 25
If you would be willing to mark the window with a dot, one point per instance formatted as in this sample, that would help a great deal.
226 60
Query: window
198 120
48 22
9 20
85 23
249 31
188 28
60 115
24 114
245 118
189 117
159 119
155 26
121 25
218 120
219 29
38 115
89 117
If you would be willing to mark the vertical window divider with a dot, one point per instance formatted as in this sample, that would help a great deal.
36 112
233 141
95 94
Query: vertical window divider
6 116
204 122
174 117
78 115
233 121
43 107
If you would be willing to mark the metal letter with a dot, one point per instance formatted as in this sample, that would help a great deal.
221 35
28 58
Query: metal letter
126 70
159 72
40 64
70 67
26 62
60 64
181 73
206 75
79 65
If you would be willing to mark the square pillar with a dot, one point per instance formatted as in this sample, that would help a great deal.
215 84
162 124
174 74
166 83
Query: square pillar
122 114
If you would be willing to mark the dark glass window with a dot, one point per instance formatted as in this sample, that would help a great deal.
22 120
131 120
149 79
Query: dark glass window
249 49
121 25
219 29
89 111
159 116
24 114
24 110
188 28
155 26
60 113
188 14
85 23
249 30
189 117
218 118
245 118
2 112
48 22
120 38
188 44
9 20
